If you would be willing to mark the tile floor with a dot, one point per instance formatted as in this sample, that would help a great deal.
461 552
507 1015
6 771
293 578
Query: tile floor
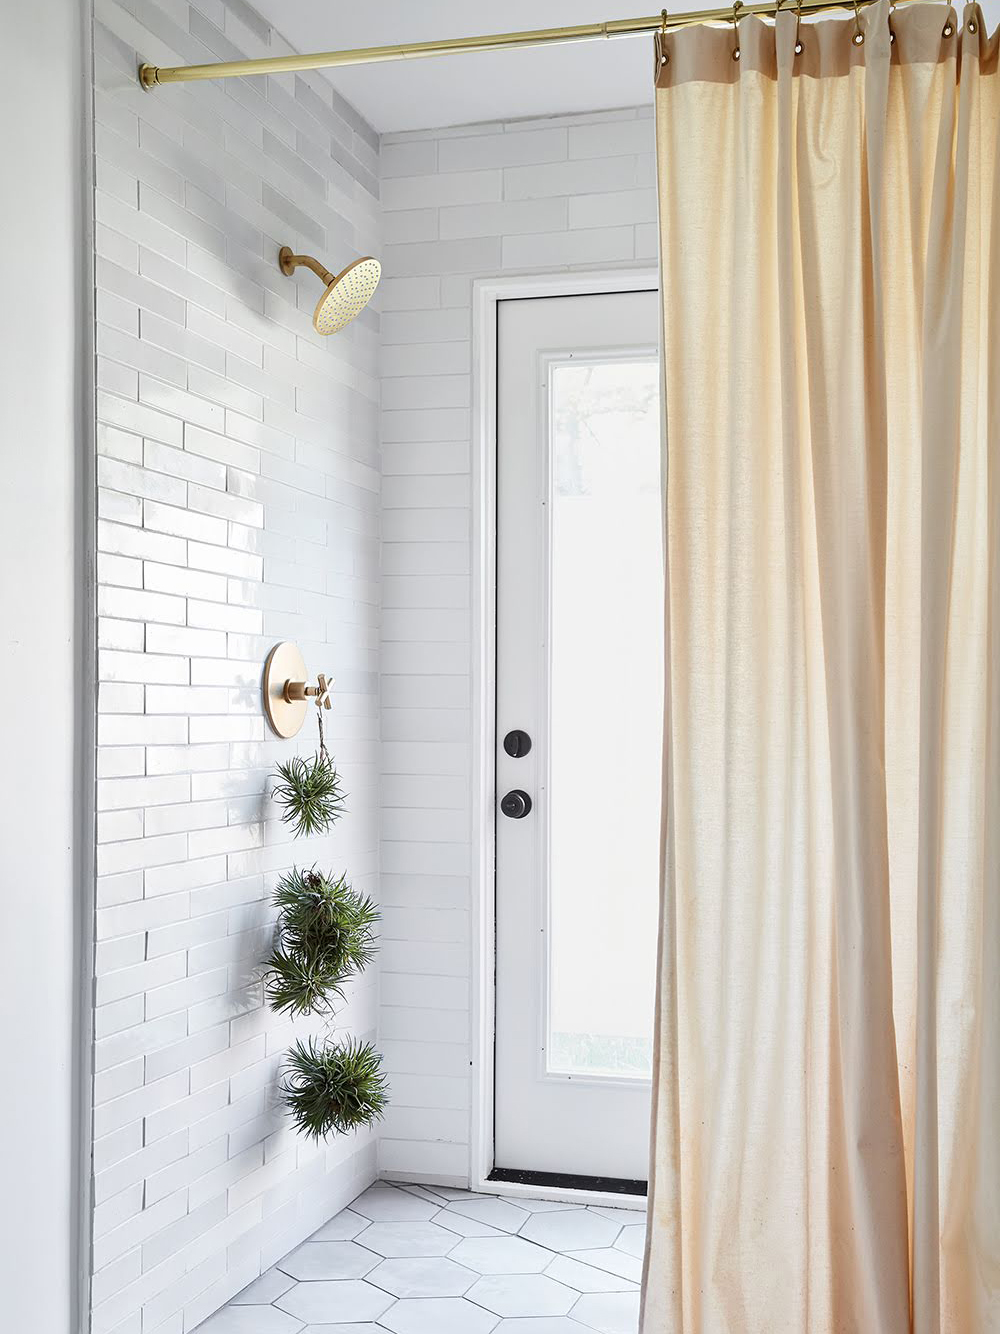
430 1260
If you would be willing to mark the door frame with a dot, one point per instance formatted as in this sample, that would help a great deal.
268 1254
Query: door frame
487 293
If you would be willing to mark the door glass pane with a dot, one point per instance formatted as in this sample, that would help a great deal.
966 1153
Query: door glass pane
606 686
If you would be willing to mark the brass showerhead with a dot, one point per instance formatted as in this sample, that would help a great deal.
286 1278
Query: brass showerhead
344 296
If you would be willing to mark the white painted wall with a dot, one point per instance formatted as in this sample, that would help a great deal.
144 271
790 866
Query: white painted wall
238 505
43 678
519 197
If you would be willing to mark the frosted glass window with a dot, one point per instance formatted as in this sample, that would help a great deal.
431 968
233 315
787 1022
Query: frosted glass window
605 709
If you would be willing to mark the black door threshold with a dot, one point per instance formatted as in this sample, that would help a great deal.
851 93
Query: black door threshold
568 1181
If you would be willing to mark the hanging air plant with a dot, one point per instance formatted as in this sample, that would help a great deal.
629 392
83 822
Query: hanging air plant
310 792
333 1087
325 935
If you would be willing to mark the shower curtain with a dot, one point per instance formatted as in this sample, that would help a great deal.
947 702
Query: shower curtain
826 1137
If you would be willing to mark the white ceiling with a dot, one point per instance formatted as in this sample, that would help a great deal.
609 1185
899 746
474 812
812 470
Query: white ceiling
491 85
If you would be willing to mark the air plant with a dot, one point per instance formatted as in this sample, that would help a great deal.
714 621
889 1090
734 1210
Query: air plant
325 935
334 1087
310 792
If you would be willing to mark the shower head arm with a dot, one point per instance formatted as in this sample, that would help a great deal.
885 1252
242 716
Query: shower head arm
289 263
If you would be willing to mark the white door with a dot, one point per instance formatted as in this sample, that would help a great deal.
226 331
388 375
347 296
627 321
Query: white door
580 675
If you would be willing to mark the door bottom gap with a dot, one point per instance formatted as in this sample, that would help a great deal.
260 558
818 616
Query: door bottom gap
567 1181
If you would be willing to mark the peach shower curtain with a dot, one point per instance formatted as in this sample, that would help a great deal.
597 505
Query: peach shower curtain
826 1148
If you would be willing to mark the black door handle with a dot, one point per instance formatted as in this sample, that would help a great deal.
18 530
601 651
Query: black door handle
516 804
517 743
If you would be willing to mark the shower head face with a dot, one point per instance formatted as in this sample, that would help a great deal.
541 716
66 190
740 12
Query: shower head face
347 295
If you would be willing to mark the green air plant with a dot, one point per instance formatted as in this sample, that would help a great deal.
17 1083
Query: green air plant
310 792
333 1087
325 935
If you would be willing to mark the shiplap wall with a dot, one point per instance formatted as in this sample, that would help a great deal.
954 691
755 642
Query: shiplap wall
238 503
519 197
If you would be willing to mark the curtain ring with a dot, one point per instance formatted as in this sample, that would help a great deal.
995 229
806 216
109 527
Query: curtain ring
798 27
859 36
662 43
737 6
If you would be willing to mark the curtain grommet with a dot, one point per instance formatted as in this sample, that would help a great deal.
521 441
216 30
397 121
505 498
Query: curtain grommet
947 30
973 26
858 39
798 48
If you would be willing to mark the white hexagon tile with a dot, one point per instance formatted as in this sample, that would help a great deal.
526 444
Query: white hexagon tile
433 1260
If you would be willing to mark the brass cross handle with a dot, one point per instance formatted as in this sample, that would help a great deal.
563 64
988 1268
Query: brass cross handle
319 692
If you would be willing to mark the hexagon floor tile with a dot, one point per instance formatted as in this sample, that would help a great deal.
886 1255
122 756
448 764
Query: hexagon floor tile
396 1240
441 1315
522 1294
264 1290
384 1204
611 1260
575 1231
325 1302
344 1226
632 1240
328 1259
556 1324
609 1312
541 1206
250 1320
585 1278
436 1260
501 1255
432 1276
354 1329
466 1227
497 1213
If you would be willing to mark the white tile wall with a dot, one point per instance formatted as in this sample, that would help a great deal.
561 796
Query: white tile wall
238 476
476 201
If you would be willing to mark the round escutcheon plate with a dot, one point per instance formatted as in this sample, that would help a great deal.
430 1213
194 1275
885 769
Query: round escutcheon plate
284 663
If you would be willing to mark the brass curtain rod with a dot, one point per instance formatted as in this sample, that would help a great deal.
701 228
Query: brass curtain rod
152 75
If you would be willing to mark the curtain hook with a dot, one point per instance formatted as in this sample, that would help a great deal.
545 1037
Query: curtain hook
892 35
664 54
737 6
798 28
859 36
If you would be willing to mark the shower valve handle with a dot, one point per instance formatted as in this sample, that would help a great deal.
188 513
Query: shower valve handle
320 692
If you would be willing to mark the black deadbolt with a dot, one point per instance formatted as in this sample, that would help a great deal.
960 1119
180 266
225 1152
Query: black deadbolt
517 743
516 804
